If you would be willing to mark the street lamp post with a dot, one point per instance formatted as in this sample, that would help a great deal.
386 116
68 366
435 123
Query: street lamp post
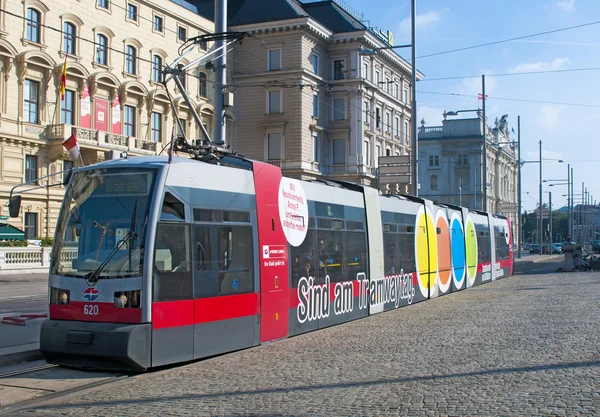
541 221
413 92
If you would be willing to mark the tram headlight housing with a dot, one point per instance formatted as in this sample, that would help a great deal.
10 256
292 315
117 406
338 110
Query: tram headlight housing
60 296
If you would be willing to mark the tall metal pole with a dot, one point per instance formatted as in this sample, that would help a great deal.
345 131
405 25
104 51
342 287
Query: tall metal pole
484 176
572 206
581 213
221 74
550 208
541 212
569 197
414 99
520 229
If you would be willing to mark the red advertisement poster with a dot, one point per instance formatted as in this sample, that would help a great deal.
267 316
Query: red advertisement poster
101 114
116 116
85 108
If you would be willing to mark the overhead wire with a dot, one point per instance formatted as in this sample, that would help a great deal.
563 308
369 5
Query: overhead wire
508 74
513 99
509 39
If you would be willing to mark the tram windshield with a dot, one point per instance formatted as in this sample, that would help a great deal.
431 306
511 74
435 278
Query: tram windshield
103 222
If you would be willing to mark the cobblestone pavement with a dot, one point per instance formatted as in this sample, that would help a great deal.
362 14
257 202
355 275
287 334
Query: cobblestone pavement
525 345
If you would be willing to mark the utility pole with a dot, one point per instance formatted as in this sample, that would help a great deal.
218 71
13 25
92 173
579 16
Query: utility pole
414 99
571 232
569 197
484 177
520 229
541 212
550 225
221 74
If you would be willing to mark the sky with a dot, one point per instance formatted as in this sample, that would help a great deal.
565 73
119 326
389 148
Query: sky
567 113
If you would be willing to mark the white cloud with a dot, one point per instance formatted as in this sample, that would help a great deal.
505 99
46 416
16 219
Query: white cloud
567 5
426 19
548 116
558 63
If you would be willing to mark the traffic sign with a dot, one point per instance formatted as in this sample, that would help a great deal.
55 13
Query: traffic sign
509 208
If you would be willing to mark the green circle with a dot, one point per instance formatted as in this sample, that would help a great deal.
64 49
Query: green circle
471 243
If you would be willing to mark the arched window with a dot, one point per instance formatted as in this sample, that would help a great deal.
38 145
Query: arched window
69 33
33 25
101 49
157 68
434 182
202 82
130 59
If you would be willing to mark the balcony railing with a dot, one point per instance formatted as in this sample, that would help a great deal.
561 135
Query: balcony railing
275 162
101 139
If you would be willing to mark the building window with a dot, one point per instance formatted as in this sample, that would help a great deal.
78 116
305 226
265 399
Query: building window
69 38
377 118
315 106
377 77
156 68
30 168
339 109
30 226
31 97
315 63
274 60
366 71
396 90
274 102
434 182
316 147
158 24
156 127
434 160
182 34
33 25
397 123
462 159
406 133
67 167
274 146
103 4
405 98
101 49
181 77
388 85
129 121
180 128
388 123
202 84
367 113
339 151
338 69
130 57
132 12
67 108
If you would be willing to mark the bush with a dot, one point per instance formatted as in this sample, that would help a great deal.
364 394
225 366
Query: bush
46 241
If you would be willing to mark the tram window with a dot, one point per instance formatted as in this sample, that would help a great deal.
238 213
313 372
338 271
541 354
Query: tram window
303 259
172 274
235 253
356 254
331 255
220 216
206 265
483 241
172 208
502 249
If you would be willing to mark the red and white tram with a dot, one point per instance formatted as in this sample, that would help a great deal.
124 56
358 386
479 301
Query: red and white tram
157 263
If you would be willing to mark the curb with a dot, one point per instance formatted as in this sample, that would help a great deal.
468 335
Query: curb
18 357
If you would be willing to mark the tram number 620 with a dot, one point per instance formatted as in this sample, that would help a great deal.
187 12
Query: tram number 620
90 310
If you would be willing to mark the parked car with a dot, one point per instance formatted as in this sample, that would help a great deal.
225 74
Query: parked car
534 248
556 248
596 246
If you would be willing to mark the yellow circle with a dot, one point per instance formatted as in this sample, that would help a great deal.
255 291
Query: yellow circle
426 251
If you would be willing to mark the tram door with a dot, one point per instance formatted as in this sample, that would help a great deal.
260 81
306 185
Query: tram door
273 254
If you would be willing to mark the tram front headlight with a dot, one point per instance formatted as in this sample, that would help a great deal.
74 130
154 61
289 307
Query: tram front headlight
127 299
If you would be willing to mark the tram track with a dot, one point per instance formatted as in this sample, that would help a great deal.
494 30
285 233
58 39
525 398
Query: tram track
10 381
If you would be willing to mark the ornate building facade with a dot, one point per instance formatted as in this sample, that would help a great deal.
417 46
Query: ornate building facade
114 51
451 164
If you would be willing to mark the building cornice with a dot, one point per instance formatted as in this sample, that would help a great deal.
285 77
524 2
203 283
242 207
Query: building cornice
305 23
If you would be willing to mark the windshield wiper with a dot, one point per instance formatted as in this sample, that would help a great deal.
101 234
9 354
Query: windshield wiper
93 277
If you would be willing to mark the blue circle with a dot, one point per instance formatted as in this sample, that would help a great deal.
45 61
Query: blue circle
458 250
235 284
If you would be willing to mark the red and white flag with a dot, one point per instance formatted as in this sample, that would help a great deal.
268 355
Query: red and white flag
480 96
72 146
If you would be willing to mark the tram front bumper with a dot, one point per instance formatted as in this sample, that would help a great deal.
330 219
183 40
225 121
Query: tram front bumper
89 345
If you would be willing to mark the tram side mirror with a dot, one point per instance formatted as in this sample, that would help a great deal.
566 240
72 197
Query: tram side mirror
14 206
